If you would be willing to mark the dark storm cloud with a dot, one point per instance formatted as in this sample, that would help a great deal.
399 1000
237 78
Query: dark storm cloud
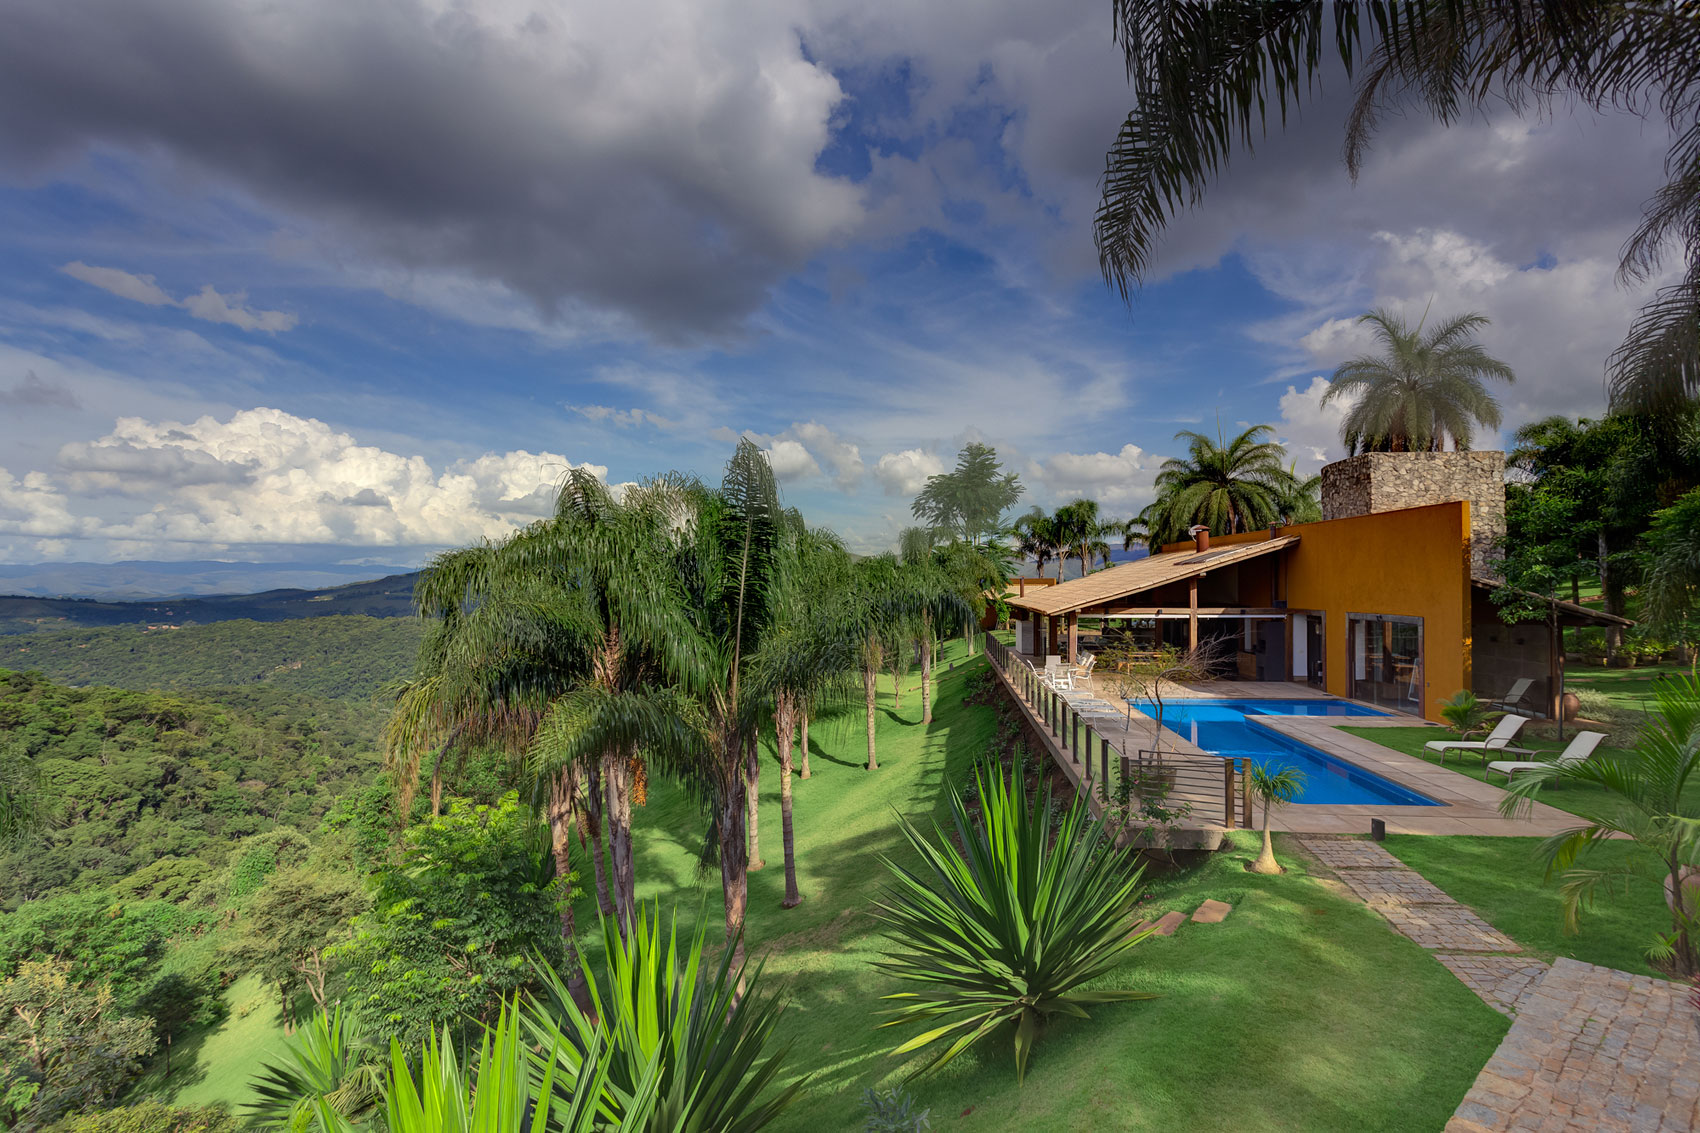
650 159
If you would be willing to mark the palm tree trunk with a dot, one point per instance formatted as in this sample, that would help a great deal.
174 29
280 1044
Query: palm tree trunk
927 673
752 796
734 866
897 676
784 720
562 790
437 787
593 814
869 676
1266 862
804 729
968 629
617 775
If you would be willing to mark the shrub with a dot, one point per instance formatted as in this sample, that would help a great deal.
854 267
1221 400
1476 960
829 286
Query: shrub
1592 704
149 1117
893 1111
1465 713
1008 928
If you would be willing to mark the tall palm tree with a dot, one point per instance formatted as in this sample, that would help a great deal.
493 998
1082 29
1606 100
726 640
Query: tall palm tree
877 609
1210 79
1423 388
1037 538
1081 533
1301 502
547 645
1229 488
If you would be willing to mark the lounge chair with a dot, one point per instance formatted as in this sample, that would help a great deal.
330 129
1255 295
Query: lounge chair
1581 747
1513 698
1498 740
1084 669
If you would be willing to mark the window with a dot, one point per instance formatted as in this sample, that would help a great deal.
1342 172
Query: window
1386 660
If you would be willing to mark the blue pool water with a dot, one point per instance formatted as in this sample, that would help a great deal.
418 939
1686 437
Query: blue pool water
1220 726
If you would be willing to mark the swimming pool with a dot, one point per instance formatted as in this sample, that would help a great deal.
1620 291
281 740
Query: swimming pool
1219 726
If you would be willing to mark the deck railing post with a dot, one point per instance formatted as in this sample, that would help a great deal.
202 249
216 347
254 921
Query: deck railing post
1104 779
1228 793
1074 736
1245 795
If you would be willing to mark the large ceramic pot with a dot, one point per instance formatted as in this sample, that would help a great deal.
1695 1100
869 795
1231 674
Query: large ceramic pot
1570 704
1690 890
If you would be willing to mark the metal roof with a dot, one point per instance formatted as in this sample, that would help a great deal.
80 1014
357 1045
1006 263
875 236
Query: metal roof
1141 575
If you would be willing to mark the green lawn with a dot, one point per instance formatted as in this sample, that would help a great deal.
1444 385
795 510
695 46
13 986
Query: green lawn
1630 690
215 1066
1501 879
1573 797
1302 1011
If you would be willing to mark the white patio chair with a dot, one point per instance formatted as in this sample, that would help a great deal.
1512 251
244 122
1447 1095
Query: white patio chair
1582 747
1084 669
1498 740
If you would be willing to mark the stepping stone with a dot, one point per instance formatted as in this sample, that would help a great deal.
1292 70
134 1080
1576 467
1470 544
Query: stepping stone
1212 912
1165 926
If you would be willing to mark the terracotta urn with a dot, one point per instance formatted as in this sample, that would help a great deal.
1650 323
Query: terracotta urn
1569 704
1690 890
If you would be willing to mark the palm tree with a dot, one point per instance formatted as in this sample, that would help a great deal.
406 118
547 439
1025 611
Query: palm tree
1423 389
1648 803
1208 80
1276 786
1081 533
1037 538
1229 488
1301 502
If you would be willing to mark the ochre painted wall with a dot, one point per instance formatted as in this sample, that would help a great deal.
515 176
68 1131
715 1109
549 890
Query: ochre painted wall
1413 563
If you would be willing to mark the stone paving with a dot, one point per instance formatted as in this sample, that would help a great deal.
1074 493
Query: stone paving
1446 928
1592 1049
1503 981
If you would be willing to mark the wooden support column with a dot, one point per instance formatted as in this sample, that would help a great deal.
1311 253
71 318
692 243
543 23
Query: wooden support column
1192 613
1073 638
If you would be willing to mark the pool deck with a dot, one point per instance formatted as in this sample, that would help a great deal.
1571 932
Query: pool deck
1471 806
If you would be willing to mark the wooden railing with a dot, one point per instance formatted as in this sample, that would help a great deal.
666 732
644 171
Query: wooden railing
1210 786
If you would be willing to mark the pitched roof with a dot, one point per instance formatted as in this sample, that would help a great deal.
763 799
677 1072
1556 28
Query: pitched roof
1569 613
1141 575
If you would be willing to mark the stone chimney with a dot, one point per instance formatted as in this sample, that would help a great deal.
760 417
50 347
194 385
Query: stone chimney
1388 481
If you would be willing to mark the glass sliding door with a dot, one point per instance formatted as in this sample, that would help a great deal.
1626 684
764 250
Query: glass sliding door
1386 659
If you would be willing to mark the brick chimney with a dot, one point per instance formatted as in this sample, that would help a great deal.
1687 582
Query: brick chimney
1374 482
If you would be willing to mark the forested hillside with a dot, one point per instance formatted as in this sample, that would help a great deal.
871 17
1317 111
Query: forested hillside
390 597
344 657
157 789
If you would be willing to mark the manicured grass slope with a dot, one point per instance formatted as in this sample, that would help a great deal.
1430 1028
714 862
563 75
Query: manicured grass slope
1501 879
1302 1010
215 1066
1631 690
1573 797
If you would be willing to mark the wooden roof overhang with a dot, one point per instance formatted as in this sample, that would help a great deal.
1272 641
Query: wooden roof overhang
1110 589
1569 613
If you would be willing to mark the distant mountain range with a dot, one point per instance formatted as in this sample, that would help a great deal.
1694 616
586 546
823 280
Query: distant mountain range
378 598
141 579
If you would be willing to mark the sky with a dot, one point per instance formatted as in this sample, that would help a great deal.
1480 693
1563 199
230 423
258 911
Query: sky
358 280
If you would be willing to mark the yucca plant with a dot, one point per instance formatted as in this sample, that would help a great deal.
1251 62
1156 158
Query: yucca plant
664 1008
509 1086
1010 927
328 1062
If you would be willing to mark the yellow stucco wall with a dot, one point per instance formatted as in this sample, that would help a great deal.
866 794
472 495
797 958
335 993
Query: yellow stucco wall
1412 563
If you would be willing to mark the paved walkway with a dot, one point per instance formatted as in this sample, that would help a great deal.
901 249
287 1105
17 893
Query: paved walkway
1592 1049
1485 959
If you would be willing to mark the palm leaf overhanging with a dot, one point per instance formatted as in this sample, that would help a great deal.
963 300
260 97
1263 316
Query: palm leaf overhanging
1008 929
1422 390
1208 79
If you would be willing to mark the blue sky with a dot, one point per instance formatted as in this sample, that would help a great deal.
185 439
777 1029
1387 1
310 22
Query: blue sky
355 281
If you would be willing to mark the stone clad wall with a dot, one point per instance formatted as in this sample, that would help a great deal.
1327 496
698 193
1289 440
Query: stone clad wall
1374 482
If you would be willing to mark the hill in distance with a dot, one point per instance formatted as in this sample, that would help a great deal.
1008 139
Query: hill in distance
139 579
389 597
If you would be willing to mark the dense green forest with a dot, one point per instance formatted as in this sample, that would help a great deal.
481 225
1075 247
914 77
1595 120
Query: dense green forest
390 597
340 657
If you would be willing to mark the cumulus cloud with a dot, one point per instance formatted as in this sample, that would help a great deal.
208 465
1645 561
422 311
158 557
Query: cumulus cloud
1117 480
905 473
208 304
1310 429
654 157
266 477
844 458
791 461
33 393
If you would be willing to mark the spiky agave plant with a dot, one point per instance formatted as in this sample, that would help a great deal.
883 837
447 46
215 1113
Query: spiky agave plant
1009 928
667 1008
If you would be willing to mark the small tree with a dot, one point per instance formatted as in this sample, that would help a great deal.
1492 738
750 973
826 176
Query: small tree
1276 786
291 923
64 1046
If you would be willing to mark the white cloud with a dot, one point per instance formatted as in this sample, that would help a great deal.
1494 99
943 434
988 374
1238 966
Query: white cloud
1310 429
1116 480
216 308
139 288
208 304
266 477
622 418
844 458
905 473
791 461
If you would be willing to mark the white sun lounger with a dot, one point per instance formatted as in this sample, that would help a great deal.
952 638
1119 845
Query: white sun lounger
1580 748
1498 740
1512 699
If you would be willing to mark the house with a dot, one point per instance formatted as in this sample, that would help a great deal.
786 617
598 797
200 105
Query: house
1387 599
